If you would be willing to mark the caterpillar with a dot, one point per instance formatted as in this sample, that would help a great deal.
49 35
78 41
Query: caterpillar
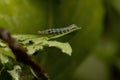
58 30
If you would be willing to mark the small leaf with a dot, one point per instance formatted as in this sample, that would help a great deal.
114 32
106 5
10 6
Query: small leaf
34 43
15 73
3 59
4 49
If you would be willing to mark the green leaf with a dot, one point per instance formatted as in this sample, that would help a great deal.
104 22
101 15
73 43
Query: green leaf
15 72
14 69
4 49
34 43
3 59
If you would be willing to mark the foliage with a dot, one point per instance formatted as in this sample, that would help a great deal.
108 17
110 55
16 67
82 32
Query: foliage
99 36
32 43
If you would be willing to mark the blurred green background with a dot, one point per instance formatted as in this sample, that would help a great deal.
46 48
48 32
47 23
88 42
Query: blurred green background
95 48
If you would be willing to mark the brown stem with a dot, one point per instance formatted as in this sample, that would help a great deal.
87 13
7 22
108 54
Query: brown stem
21 55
